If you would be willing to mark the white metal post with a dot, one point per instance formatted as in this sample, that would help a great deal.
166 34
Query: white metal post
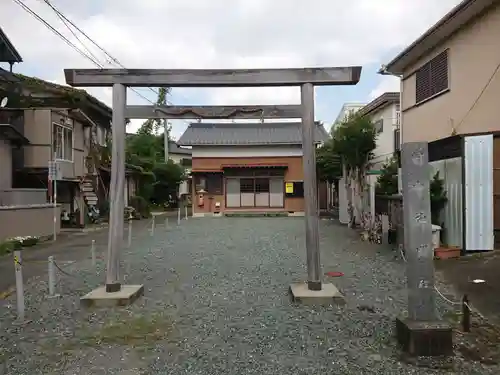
129 241
185 210
153 226
179 215
52 278
19 285
166 223
117 187
310 188
92 253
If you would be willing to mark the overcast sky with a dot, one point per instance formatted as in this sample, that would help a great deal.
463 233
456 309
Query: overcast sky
226 34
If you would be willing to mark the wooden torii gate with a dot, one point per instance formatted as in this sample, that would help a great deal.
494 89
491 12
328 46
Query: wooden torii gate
306 79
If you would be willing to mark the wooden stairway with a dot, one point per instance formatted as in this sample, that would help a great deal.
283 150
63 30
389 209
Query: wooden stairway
88 192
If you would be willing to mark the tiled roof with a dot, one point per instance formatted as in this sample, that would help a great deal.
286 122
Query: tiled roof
8 52
173 148
380 102
225 134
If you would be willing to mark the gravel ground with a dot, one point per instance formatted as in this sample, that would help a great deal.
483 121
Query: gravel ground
216 302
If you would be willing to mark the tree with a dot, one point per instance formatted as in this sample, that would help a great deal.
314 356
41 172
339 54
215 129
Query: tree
387 182
153 126
144 152
354 140
167 178
328 163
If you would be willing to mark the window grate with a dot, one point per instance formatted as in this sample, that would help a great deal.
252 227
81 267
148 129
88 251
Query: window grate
432 77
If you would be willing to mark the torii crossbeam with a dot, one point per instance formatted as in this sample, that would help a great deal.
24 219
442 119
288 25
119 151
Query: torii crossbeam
305 78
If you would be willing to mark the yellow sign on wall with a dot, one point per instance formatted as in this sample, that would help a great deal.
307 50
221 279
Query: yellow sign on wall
289 187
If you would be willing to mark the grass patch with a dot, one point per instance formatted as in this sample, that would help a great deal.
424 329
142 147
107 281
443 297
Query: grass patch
135 332
454 317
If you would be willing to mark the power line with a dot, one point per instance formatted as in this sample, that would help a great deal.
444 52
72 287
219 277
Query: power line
46 24
112 59
67 41
89 56
73 32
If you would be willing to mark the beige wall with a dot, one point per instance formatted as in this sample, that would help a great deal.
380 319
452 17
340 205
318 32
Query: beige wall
38 129
473 57
5 165
13 197
41 219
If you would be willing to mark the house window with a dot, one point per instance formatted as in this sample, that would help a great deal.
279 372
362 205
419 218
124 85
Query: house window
214 183
246 185
432 78
211 183
101 136
262 185
398 115
62 142
379 126
185 162
397 140
201 183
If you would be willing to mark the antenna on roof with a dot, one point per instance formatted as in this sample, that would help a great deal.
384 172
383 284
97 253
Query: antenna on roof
4 102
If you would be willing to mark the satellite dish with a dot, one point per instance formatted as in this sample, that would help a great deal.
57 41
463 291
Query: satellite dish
3 103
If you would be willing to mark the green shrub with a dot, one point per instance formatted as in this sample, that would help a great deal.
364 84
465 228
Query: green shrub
141 206
17 243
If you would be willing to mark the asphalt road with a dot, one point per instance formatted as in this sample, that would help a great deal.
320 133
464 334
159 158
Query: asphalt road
69 247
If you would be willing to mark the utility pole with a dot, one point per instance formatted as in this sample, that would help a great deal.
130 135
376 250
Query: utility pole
165 138
310 188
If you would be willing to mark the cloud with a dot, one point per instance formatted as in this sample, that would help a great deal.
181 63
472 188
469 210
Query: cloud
219 34
386 84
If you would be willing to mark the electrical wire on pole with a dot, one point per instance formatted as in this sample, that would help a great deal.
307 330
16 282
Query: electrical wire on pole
111 59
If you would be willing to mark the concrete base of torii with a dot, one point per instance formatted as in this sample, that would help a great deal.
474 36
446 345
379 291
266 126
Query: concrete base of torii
328 295
423 338
100 298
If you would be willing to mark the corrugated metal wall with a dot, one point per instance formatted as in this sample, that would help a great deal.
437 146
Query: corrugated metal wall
478 156
450 171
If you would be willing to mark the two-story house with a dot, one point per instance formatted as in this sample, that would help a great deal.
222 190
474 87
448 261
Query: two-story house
384 112
450 79
62 125
240 167
450 75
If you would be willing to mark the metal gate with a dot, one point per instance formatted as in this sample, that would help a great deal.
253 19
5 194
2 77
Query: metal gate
478 160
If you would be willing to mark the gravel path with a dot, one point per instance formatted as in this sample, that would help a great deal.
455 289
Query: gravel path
216 302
